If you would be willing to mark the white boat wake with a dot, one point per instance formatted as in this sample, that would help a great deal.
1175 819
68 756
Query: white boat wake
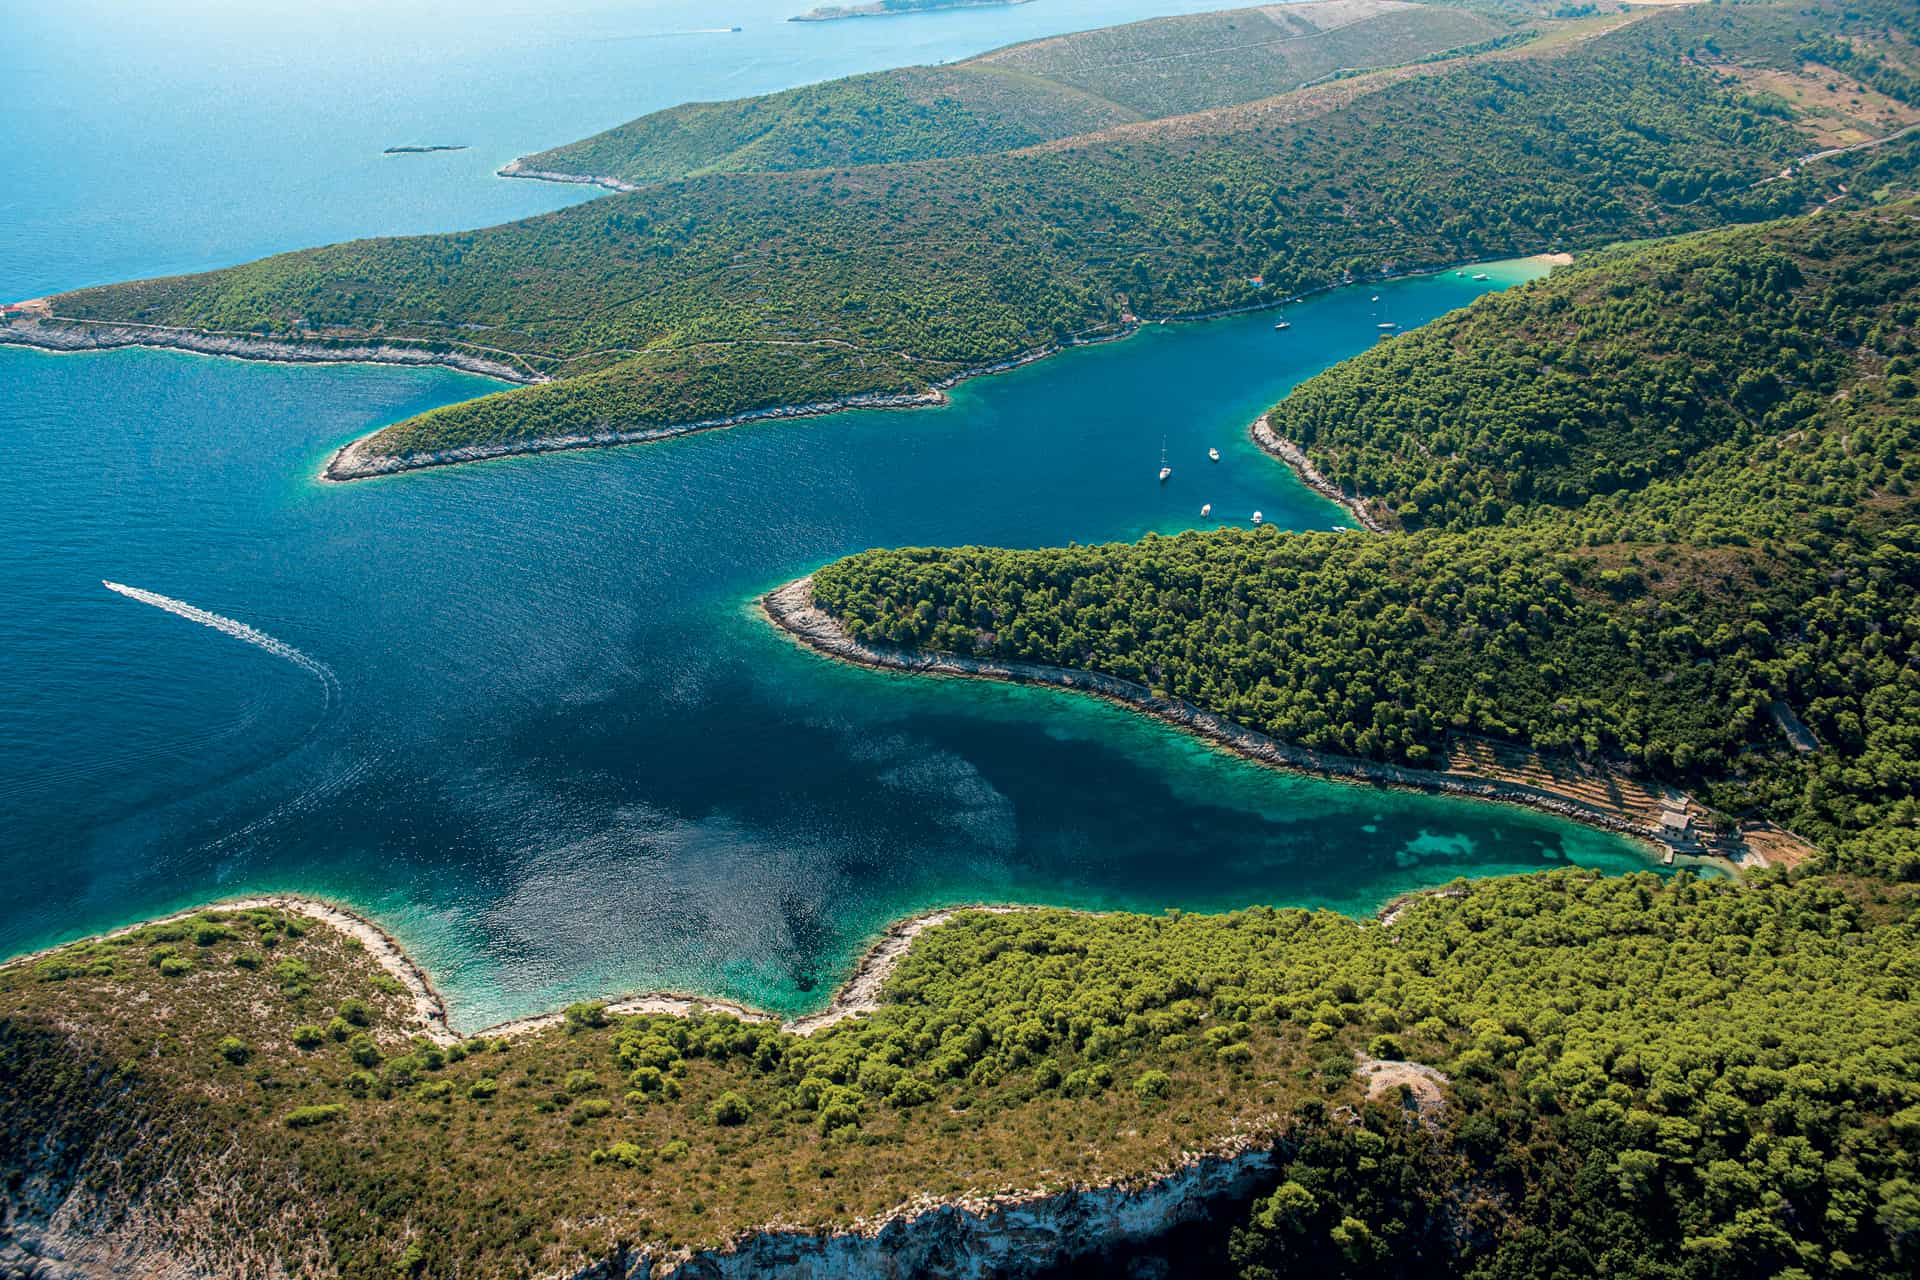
238 630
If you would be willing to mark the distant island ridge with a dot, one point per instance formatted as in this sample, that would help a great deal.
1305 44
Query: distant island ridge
421 150
886 8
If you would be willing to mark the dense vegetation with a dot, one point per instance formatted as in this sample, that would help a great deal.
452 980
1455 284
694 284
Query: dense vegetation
1659 504
935 266
1648 510
1023 95
1666 1077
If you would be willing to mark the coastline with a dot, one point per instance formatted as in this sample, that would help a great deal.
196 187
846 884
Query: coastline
1277 446
1065 1217
859 993
351 461
790 608
62 336
518 168
843 12
46 332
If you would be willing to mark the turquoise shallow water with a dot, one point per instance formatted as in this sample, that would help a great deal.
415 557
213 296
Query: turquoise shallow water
529 720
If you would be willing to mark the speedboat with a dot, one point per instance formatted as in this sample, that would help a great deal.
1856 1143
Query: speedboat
1214 454
1206 509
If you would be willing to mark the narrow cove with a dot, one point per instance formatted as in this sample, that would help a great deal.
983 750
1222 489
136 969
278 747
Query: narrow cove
566 758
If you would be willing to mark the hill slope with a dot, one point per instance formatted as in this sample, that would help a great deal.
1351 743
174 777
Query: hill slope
1022 95
1628 1073
921 272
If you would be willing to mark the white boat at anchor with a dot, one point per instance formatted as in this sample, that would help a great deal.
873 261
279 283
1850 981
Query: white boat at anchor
1206 509
1165 470
1256 517
1214 454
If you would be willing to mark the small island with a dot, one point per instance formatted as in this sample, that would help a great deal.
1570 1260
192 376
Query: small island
886 8
415 151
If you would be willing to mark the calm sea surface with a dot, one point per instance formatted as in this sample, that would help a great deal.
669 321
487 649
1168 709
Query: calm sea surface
524 714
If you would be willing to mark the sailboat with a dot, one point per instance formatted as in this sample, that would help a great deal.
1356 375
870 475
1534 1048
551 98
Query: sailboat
1165 470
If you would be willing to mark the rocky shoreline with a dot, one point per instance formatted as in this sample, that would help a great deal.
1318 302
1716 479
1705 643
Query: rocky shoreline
1295 457
520 169
975 1237
353 462
63 336
791 608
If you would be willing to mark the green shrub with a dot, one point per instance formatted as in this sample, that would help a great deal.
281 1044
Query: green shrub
318 1114
910 1091
308 1036
295 979
729 1109
626 1154
483 1089
363 1050
175 967
1153 1084
579 1082
356 1013
234 1049
591 1109
55 969
586 1014
205 935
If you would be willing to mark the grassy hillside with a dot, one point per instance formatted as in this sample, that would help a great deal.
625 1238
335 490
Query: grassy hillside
1024 95
1172 66
1657 500
1636 1074
929 268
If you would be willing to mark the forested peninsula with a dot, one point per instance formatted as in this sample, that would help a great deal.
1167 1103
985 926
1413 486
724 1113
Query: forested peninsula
1052 212
1656 510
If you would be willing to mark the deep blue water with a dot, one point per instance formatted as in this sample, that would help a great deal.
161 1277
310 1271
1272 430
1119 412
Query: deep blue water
148 137
554 750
